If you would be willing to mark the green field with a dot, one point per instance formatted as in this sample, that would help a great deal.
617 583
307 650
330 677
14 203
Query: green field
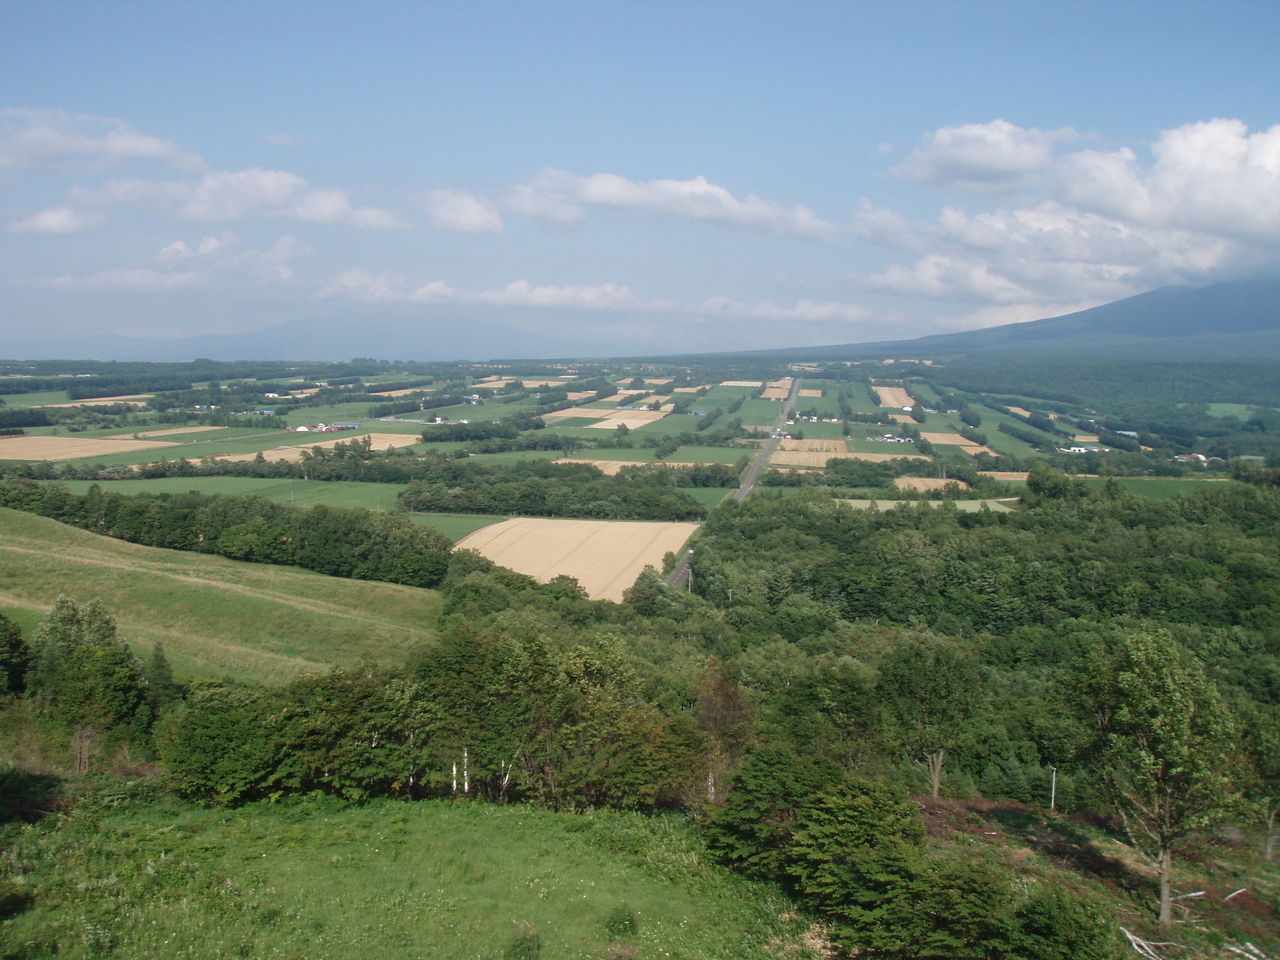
818 431
301 493
707 496
36 399
697 454
215 617
1241 411
432 879
455 526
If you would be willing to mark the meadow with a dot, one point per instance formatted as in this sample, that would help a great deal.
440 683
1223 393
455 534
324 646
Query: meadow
433 879
217 618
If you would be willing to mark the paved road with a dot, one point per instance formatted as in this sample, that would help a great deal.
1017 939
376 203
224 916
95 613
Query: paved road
681 573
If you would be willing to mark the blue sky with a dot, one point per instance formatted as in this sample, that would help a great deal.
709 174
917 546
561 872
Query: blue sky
633 178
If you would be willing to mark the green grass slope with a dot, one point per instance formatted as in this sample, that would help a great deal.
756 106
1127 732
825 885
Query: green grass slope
391 879
216 618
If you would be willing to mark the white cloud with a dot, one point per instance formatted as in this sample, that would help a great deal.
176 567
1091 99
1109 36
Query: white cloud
370 287
210 262
943 276
560 197
58 220
982 156
35 138
460 212
230 195
1212 177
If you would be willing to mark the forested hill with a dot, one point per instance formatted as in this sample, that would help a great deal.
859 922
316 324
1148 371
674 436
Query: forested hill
1223 321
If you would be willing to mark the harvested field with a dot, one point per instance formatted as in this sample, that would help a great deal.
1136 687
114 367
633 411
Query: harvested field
541 383
605 556
391 393
576 395
951 439
70 448
705 386
925 484
1005 476
895 397
902 418
167 432
1021 411
658 380
974 450
777 390
810 393
631 419
743 383
1085 438
571 413
806 458
610 468
381 441
814 446
494 382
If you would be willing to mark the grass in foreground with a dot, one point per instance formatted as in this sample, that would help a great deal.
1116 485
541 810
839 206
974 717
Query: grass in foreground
216 617
390 879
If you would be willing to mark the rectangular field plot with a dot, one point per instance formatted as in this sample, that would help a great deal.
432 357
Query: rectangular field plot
893 397
71 448
605 556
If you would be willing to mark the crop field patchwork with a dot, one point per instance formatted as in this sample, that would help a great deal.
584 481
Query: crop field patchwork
71 448
605 556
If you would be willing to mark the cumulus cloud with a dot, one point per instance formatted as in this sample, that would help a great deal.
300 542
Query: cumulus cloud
1046 253
1203 199
35 138
982 156
560 197
58 220
1213 177
460 212
209 262
229 195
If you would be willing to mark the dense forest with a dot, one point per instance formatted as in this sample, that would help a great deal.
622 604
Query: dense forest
831 663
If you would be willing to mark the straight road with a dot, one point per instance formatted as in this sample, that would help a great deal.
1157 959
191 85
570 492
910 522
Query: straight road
681 573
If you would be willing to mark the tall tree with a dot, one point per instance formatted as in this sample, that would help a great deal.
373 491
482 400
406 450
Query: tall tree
1164 744
932 689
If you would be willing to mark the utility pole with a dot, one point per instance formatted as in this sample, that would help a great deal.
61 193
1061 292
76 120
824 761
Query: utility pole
1053 791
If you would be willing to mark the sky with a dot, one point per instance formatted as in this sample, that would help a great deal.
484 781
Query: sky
630 178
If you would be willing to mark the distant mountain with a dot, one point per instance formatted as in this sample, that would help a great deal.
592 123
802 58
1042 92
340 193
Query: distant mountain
386 334
1237 320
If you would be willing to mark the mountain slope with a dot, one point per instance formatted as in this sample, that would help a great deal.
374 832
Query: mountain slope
1237 320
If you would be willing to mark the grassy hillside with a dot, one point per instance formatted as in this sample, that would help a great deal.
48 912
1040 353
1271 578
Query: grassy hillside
215 617
391 879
